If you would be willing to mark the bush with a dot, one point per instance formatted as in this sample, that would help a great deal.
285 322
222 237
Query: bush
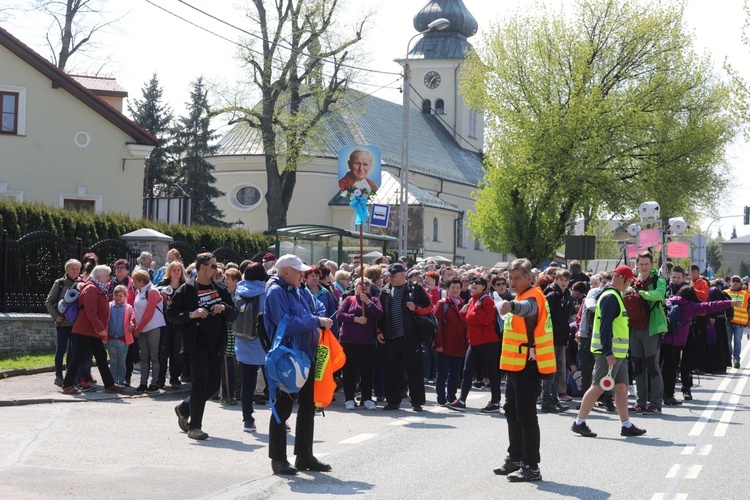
19 219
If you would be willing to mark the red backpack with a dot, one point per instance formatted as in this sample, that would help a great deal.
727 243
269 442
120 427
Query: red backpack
639 311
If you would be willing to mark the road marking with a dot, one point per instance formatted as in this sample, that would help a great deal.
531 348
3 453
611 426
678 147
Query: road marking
692 471
359 438
676 496
709 411
407 420
673 471
691 450
726 416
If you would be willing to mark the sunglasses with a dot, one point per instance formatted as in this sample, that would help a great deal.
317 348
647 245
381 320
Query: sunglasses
214 266
120 268
477 282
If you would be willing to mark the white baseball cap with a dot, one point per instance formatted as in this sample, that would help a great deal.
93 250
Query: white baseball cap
292 261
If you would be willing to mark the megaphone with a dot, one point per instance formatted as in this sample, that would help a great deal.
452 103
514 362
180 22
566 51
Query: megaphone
677 225
633 230
649 210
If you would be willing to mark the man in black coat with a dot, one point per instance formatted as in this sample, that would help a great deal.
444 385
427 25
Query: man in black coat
203 306
402 344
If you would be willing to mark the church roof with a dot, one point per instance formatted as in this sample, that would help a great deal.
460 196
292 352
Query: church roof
366 120
450 43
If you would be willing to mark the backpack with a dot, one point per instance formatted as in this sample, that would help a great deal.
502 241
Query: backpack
245 327
69 306
638 311
673 317
287 366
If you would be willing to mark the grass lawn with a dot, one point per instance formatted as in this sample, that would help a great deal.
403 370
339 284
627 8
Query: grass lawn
27 361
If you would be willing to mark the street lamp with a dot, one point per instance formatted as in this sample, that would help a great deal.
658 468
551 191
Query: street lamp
403 224
239 224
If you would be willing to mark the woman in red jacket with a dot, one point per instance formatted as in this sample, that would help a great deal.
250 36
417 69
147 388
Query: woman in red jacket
480 316
450 343
90 329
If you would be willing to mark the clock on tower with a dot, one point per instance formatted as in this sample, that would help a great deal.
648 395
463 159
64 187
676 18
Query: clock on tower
432 80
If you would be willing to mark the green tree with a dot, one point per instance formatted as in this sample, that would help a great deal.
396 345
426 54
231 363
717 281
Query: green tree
192 137
300 40
744 268
713 254
153 115
589 116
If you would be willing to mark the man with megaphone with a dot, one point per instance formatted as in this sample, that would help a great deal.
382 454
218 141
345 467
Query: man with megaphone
609 344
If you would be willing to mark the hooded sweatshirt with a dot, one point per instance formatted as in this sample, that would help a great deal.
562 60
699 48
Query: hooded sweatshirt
689 309
250 352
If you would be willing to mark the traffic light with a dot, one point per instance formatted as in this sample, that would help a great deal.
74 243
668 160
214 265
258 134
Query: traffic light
747 216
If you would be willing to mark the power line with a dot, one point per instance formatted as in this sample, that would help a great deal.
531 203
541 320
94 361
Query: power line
296 51
253 50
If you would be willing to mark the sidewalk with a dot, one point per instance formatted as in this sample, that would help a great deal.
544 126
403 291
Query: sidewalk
39 388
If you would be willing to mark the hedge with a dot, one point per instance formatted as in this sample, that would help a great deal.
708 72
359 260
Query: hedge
19 219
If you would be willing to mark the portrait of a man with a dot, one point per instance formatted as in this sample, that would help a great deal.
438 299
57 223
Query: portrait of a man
360 170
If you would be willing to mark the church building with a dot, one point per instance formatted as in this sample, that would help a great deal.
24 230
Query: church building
445 153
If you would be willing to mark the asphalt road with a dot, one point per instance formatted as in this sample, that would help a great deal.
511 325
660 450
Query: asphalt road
131 447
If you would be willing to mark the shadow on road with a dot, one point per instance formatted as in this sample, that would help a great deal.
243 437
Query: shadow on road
319 483
571 490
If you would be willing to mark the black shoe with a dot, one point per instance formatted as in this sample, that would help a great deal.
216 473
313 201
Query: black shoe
390 407
283 467
610 405
508 467
525 474
687 396
141 389
197 434
561 407
672 401
152 389
549 407
583 430
182 420
417 408
313 464
632 431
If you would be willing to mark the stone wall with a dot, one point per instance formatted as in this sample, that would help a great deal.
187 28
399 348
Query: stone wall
23 333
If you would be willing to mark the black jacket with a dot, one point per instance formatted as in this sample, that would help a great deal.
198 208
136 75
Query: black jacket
418 296
185 300
559 310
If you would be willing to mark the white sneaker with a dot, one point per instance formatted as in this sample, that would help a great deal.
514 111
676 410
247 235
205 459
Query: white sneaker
370 405
349 405
631 391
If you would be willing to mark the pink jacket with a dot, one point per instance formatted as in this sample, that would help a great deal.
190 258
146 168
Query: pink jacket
128 320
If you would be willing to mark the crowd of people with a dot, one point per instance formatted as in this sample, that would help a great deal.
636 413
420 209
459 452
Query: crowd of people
547 335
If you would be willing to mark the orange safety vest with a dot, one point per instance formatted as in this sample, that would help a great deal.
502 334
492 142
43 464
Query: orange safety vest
329 358
740 313
515 349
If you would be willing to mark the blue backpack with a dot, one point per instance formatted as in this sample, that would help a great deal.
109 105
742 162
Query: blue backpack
673 317
287 366
68 305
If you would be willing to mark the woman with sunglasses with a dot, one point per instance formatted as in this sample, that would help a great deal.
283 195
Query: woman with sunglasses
480 316
500 289
357 337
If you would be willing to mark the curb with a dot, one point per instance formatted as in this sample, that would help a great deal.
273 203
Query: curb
24 371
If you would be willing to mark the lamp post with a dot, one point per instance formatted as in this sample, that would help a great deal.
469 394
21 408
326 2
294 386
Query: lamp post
403 223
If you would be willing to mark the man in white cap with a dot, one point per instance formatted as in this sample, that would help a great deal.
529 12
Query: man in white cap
284 296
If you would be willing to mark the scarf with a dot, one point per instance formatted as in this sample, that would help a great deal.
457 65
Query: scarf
102 286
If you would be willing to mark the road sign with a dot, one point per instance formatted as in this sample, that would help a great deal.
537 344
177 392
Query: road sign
380 214
699 251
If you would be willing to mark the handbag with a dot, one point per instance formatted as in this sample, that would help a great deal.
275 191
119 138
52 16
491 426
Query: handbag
426 326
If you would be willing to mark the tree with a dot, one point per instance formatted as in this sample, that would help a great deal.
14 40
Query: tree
299 42
589 117
713 254
74 24
192 137
153 115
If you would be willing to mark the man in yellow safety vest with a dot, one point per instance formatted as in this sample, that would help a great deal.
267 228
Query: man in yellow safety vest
740 321
609 344
527 354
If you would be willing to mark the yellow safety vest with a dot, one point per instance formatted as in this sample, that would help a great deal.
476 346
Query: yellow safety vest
515 348
620 330
740 313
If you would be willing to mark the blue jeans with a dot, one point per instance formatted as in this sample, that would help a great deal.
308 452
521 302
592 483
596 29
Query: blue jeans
735 340
448 370
64 345
117 350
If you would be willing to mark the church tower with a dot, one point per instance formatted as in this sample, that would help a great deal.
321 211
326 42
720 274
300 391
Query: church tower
435 62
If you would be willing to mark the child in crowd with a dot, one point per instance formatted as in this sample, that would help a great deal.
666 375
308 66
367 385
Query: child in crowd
119 332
